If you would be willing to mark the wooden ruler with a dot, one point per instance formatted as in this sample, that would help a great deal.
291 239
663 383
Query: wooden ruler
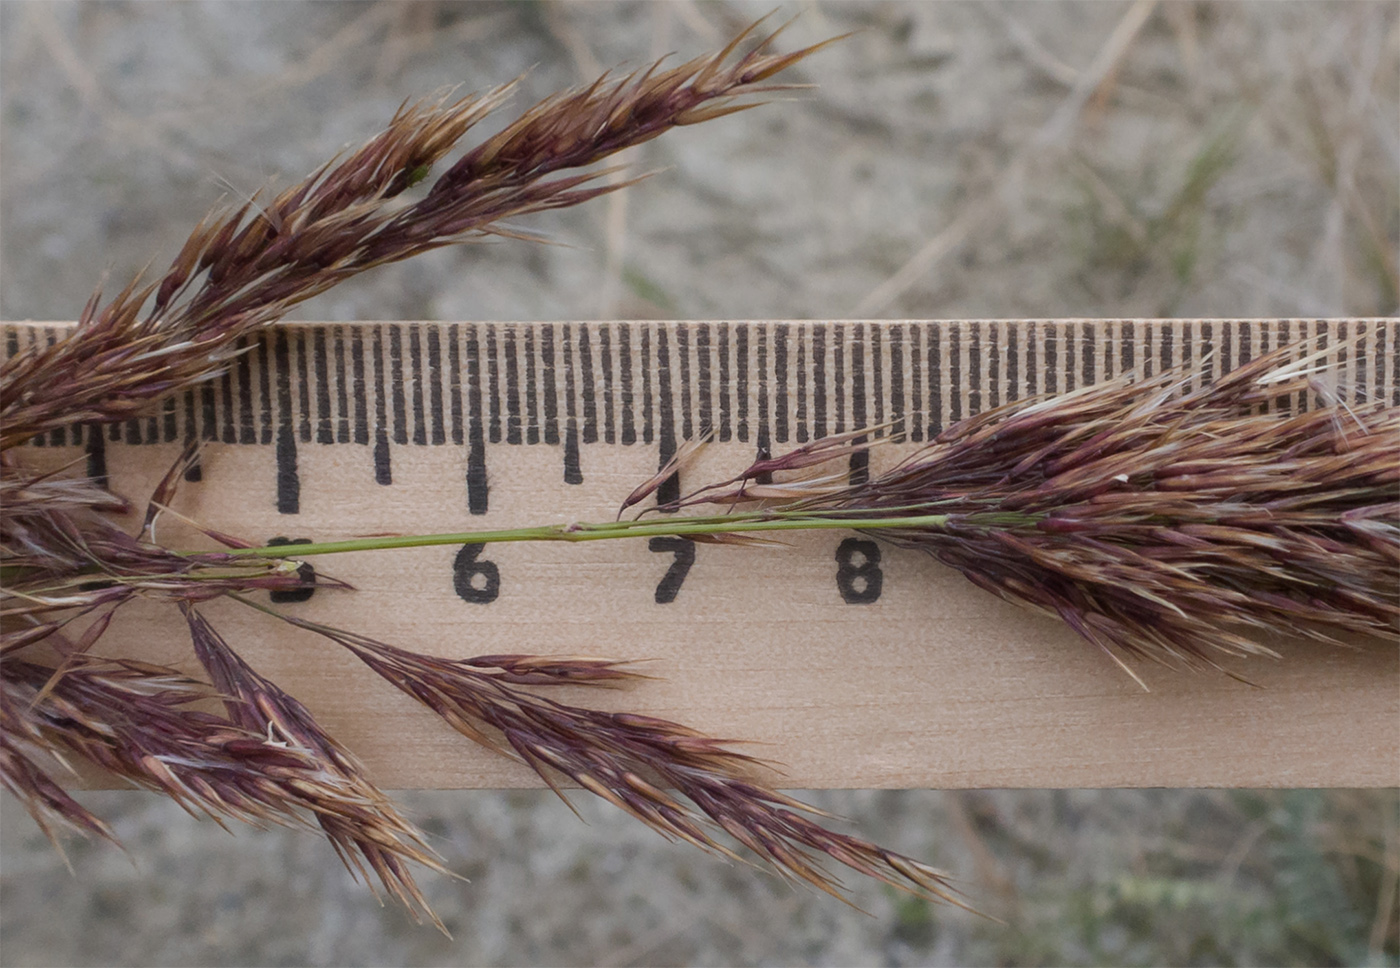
854 664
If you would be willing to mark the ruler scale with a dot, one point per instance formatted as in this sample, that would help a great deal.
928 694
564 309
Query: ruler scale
909 677
959 368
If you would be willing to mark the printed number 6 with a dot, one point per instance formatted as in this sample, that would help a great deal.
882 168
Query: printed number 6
858 575
466 570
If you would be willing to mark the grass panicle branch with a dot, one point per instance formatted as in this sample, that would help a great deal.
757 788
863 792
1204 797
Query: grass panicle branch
244 268
147 724
1158 521
360 821
640 764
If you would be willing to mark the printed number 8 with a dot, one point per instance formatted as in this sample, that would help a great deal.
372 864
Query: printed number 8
858 575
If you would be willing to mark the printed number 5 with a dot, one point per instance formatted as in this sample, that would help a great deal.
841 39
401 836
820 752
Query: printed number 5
305 572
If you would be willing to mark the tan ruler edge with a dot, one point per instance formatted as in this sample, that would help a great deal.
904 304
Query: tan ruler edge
325 431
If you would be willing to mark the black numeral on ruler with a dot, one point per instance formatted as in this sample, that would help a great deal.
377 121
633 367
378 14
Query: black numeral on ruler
571 386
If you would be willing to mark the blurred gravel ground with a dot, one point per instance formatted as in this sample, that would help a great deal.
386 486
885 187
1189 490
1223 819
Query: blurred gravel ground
957 160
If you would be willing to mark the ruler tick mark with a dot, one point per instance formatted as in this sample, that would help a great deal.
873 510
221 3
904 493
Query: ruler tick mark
935 381
994 362
670 489
647 421
512 388
359 389
877 375
1165 354
288 481
683 352
802 436
325 433
342 401
1106 367
589 387
96 455
609 406
169 422
780 391
897 380
573 472
955 380
532 399
476 448
838 366
760 331
229 434
493 374
437 418
860 460
247 428
551 387
383 471
725 430
303 386
1088 346
210 417
1013 362
454 380
741 378
266 419
1379 376
624 367
191 432
1394 371
702 354
916 383
974 371
414 390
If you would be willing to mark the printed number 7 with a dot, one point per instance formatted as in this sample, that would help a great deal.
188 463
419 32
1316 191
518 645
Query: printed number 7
670 584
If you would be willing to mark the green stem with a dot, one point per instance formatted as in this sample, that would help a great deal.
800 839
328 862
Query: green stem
584 531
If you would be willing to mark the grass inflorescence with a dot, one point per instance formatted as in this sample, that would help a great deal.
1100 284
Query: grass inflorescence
68 565
1157 521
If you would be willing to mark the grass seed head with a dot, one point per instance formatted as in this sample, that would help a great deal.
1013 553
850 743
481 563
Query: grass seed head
1157 521
683 784
265 760
243 268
